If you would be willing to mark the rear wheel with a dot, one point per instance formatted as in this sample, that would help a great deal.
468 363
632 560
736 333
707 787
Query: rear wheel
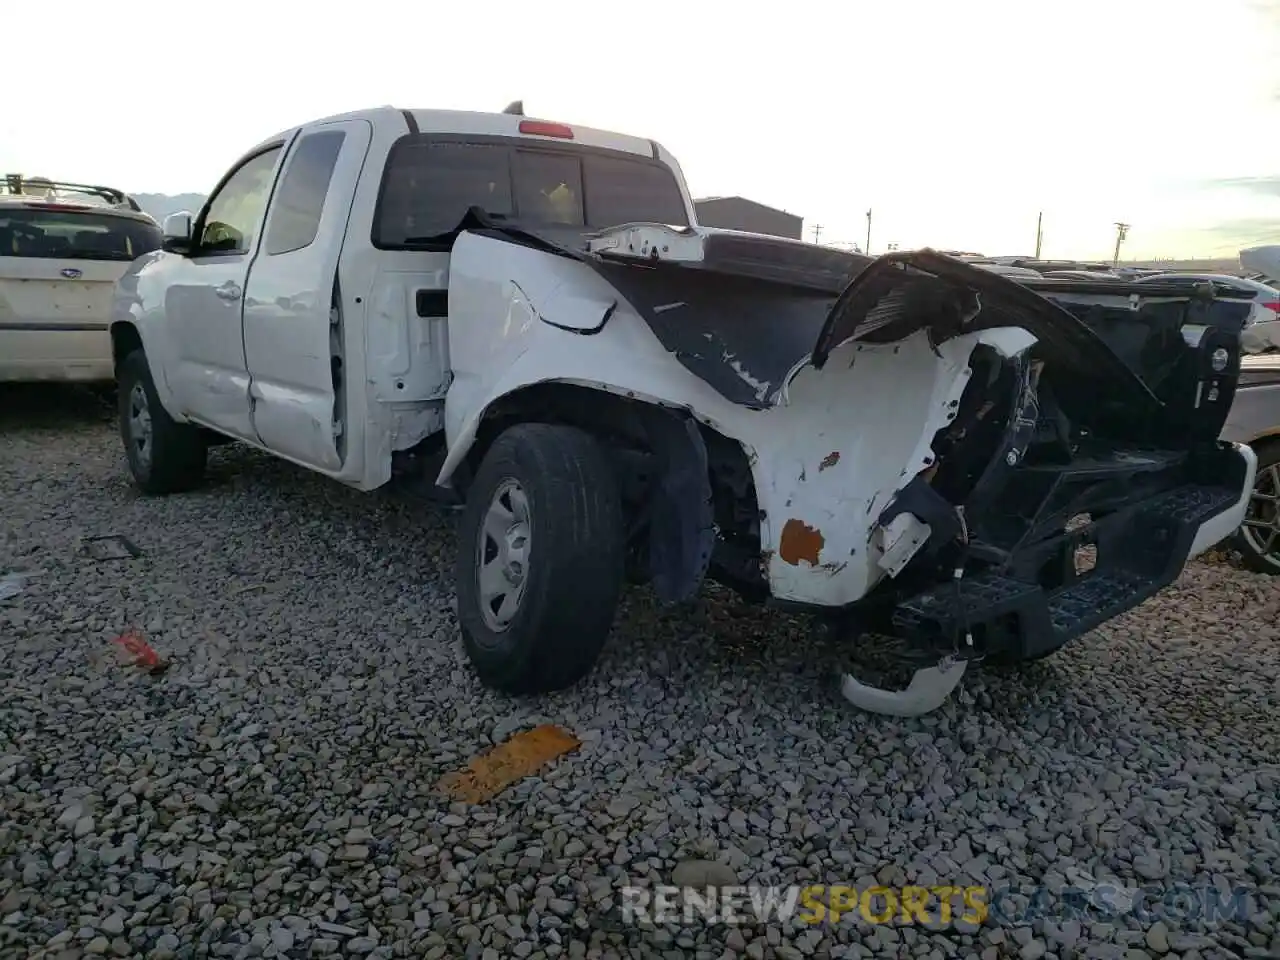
1258 538
164 456
540 559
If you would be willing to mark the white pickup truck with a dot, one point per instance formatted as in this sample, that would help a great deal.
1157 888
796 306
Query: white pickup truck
617 393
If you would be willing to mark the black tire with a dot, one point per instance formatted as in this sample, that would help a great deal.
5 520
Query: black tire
1251 543
572 572
177 456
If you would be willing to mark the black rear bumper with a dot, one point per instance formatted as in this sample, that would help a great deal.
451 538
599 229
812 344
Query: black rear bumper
1034 600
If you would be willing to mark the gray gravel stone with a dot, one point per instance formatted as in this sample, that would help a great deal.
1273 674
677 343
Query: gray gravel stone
273 792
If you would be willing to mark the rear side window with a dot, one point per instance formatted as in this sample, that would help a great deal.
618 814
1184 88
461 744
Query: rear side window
299 202
432 181
49 234
430 186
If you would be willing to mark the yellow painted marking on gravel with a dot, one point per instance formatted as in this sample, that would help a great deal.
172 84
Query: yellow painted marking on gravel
520 756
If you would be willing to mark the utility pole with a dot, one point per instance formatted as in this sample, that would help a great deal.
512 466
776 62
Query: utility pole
868 250
817 232
1039 232
1122 231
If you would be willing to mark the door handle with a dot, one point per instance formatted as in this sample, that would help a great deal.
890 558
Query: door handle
229 291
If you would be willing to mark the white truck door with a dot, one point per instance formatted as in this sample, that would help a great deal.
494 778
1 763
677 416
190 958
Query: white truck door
203 304
291 329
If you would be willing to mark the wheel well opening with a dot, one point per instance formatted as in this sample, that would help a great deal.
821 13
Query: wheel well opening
647 446
124 340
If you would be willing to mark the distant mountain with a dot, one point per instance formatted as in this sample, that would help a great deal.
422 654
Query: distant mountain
160 205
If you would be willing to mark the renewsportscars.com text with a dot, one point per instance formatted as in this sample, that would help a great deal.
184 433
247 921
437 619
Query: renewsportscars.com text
931 906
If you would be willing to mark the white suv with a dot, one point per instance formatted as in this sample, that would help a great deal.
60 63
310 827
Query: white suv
62 248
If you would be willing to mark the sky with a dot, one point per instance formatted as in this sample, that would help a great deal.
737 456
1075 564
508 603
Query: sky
955 123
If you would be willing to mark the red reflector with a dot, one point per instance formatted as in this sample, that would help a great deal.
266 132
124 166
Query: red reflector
540 128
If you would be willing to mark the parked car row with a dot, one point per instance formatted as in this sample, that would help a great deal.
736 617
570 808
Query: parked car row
1259 280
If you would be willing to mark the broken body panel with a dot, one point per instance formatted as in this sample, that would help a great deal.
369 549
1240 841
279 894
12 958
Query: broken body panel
919 431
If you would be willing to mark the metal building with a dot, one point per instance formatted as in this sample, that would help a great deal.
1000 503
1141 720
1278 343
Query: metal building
739 213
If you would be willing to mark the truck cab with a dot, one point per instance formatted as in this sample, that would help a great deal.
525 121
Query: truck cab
325 249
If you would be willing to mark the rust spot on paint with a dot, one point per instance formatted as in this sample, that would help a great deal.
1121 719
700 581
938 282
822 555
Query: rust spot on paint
522 755
800 542
830 460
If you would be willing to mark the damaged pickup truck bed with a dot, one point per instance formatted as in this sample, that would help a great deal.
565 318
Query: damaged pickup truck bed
911 443
927 445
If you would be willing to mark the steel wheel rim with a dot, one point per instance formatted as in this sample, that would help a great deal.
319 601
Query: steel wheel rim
1261 529
502 555
140 424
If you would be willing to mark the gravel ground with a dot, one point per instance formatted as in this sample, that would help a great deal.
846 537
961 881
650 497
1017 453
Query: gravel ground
272 793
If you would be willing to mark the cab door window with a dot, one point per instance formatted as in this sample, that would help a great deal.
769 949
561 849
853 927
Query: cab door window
234 214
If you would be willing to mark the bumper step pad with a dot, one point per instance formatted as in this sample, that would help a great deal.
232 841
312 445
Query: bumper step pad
1048 620
1024 619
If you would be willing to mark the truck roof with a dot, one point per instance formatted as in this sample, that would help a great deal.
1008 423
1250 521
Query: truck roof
491 124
